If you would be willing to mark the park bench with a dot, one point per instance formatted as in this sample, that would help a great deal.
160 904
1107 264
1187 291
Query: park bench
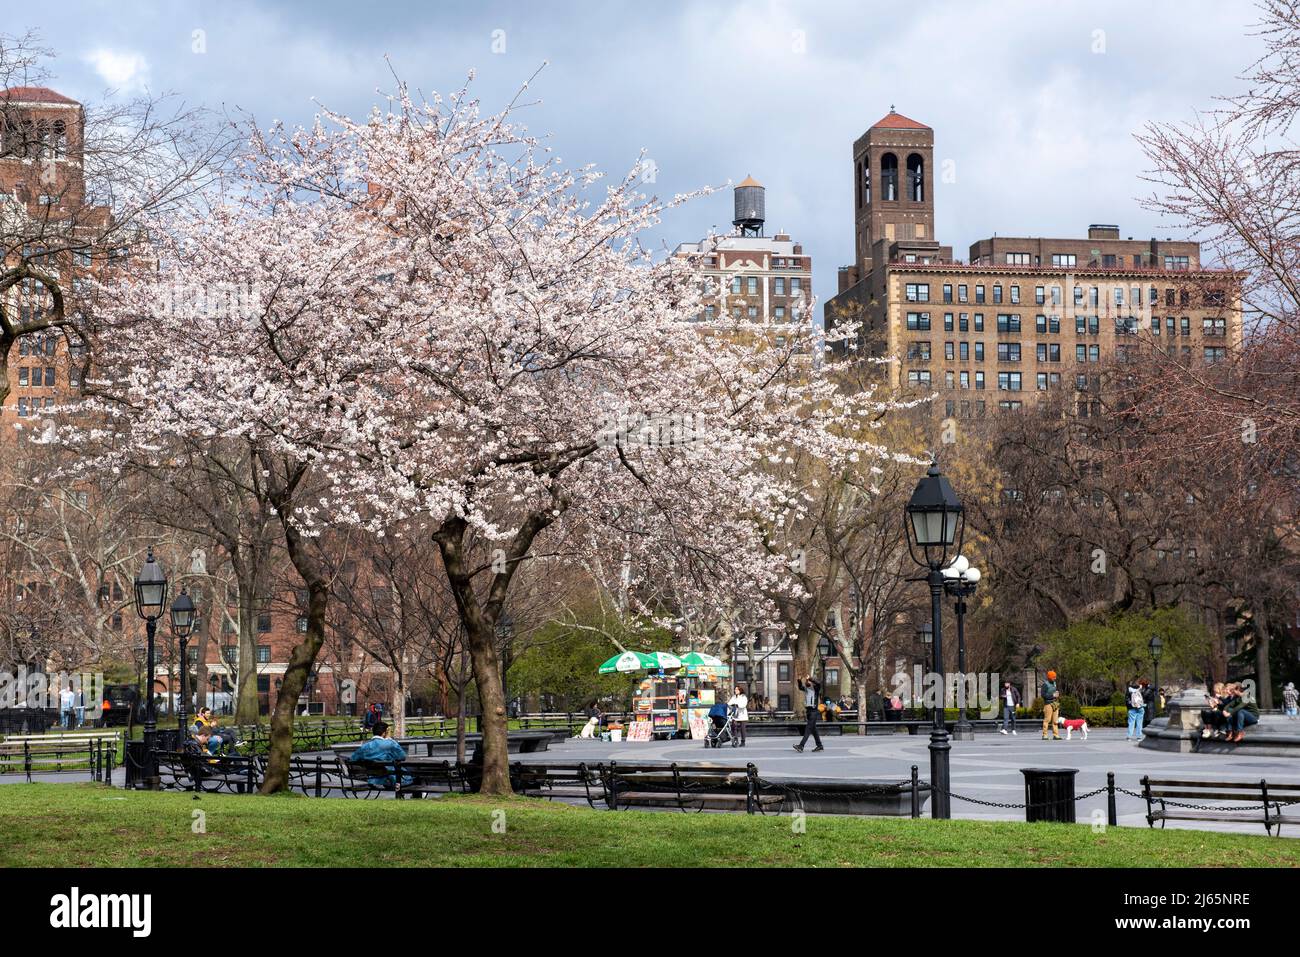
558 781
58 753
693 788
426 778
190 771
1188 802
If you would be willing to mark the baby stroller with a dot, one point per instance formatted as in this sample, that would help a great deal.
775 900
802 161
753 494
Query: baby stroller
720 716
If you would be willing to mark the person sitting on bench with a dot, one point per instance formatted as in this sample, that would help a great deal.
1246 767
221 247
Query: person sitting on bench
1241 713
1213 721
382 748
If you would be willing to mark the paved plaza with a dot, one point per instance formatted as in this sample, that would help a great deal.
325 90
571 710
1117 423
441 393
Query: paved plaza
987 768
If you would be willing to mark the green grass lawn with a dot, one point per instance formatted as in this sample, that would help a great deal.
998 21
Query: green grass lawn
93 826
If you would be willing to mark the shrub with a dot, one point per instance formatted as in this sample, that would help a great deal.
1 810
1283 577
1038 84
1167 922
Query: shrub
1070 707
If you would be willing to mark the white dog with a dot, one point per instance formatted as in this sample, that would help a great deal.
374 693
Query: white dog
1071 725
589 729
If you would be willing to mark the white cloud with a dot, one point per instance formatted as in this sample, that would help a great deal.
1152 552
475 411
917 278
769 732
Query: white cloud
123 70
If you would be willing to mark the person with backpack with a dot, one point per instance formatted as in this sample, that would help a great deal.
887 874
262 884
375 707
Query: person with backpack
1136 710
1051 706
811 689
1148 702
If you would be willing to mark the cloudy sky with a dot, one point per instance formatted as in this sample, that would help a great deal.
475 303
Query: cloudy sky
1034 103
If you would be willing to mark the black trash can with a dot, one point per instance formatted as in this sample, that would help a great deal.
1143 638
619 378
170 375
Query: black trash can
134 761
1049 794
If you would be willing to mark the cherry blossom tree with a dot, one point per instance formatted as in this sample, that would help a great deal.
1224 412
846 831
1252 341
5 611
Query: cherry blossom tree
439 324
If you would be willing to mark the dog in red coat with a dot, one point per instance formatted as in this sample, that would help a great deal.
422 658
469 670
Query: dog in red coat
1072 725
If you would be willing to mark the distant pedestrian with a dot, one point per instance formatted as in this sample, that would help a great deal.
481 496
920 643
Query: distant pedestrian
1051 706
740 701
1148 703
811 689
1136 711
67 702
1290 699
1010 701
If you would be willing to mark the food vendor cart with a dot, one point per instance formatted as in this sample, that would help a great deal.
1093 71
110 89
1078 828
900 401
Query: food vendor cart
675 702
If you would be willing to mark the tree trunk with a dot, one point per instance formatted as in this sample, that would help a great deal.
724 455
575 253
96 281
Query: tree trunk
246 710
492 710
460 724
860 688
1263 669
399 705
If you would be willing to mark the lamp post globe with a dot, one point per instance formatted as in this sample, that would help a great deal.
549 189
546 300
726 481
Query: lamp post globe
960 579
150 600
934 522
183 620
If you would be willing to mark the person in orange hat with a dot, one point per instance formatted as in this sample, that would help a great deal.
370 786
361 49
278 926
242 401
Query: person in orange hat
1051 706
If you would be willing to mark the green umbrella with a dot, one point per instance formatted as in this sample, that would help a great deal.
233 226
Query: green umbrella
627 661
664 659
700 659
636 661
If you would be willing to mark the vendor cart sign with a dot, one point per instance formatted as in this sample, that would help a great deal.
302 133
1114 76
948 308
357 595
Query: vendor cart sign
699 727
640 731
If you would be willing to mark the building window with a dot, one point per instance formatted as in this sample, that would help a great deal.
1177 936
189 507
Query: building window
1008 352
964 379
918 377
783 671
778 285
964 351
979 379
1015 295
916 177
1063 259
1215 353
263 654
918 321
918 350
1008 323
961 292
1008 381
1214 327
918 292
979 322
947 322
1018 259
263 623
735 285
947 292
979 352
979 293
751 285
997 292
889 177
1176 262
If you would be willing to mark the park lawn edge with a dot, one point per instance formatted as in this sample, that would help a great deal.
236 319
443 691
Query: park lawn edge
87 825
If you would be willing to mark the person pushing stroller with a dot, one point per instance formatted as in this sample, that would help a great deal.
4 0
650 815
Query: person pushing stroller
720 718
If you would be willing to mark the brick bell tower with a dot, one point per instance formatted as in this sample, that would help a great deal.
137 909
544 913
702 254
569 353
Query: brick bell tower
893 170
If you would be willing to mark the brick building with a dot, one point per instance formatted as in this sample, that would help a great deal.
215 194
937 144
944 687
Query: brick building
1022 315
760 279
43 200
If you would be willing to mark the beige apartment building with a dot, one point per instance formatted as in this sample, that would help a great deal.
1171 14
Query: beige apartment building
759 279
1023 315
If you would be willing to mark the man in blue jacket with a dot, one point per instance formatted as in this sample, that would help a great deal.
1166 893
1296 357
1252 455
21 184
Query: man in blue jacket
382 748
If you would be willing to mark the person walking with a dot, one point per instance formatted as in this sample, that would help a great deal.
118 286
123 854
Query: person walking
1010 701
1148 704
1051 706
1291 700
740 701
67 700
811 689
1136 711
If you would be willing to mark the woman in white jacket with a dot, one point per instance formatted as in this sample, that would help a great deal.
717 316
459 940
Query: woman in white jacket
742 715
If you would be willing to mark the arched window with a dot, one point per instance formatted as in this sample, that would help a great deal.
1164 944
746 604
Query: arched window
889 177
858 177
866 182
58 138
916 178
